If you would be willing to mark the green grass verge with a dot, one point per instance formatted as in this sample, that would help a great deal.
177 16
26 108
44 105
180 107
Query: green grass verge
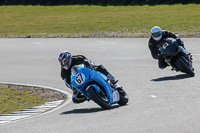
25 20
13 101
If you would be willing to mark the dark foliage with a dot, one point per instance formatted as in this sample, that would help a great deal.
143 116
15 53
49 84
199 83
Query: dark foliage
96 2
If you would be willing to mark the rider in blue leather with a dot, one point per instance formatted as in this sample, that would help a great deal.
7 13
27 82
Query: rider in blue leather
157 35
67 61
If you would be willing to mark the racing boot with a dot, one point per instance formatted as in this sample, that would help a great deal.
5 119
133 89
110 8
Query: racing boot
112 79
78 97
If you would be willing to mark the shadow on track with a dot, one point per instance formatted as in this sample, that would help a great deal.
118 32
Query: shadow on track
87 110
177 77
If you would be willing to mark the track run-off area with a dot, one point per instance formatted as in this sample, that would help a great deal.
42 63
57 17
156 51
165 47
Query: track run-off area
160 101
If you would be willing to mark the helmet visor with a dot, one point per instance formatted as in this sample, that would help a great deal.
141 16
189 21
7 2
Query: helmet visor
65 62
157 34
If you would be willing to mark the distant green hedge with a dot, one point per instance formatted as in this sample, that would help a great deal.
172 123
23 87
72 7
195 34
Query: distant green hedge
96 2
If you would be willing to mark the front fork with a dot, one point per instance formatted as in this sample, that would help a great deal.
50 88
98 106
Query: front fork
187 55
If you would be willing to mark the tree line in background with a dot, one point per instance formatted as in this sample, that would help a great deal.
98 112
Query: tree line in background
96 2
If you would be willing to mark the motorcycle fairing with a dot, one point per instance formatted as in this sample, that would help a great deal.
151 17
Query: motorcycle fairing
85 77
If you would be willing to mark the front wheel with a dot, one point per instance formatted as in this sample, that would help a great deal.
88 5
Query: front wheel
99 97
184 66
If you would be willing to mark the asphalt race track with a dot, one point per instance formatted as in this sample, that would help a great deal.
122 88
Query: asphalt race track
160 101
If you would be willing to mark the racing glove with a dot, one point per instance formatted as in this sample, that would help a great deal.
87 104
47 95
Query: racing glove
89 64
178 40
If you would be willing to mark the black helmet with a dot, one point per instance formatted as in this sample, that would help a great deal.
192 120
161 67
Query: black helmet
65 59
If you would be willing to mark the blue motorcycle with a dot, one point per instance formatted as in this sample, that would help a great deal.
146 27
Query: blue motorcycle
95 86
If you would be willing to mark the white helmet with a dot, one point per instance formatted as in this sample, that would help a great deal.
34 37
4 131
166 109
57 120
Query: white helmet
156 33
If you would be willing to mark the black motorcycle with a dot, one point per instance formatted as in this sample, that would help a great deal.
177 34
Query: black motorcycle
176 56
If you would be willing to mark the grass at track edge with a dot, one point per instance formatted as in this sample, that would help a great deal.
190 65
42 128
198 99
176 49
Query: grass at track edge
98 21
14 98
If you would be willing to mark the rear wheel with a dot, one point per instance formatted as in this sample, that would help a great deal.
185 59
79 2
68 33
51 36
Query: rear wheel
123 96
99 97
184 66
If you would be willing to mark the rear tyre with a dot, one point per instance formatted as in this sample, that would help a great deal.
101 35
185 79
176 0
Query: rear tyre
99 97
123 97
183 65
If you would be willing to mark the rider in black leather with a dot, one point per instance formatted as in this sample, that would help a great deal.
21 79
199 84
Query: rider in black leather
67 61
157 35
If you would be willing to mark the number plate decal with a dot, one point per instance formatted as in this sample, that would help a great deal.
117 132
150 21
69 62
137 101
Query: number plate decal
80 78
165 45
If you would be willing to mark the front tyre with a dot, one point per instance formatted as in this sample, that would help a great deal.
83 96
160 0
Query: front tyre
99 97
184 66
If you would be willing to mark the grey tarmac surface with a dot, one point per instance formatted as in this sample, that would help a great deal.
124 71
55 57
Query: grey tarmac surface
160 101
